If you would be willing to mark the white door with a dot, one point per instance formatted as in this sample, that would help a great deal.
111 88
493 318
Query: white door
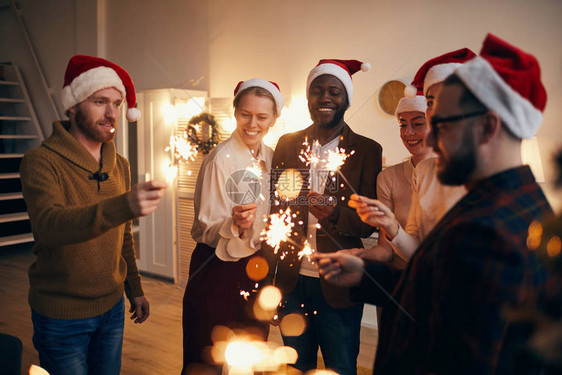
160 109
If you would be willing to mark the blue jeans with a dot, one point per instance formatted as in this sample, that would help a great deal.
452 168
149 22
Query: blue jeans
89 346
335 331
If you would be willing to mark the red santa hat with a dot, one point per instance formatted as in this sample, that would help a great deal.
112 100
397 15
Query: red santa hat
436 70
416 104
270 86
507 81
87 74
341 69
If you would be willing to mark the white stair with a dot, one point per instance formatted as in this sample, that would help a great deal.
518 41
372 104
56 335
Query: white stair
19 132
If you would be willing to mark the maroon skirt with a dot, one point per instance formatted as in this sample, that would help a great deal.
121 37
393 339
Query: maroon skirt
212 297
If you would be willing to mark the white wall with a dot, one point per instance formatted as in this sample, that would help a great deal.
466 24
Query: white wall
283 40
211 45
162 44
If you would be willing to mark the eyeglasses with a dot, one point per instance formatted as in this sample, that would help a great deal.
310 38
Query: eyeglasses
435 121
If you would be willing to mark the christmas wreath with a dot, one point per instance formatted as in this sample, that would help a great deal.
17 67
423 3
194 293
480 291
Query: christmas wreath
202 122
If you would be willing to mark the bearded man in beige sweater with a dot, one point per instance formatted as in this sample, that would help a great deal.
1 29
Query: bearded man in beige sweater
81 206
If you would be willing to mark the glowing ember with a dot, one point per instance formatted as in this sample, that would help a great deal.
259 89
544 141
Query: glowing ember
307 250
245 294
278 230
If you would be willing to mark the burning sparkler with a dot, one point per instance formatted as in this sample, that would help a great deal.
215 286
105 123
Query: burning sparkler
311 153
306 251
335 160
181 148
278 230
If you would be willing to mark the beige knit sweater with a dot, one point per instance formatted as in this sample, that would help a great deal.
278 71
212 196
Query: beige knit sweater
82 228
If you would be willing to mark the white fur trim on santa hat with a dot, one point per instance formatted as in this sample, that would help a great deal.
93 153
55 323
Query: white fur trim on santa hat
437 74
257 82
335 70
410 91
415 104
89 82
133 114
520 116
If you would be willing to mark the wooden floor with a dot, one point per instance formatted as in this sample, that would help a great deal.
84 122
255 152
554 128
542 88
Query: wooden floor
152 348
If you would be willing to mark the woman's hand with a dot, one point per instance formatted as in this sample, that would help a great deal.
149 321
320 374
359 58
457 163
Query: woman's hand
375 213
243 216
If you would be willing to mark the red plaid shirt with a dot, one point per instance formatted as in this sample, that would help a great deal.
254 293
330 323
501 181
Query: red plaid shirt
470 268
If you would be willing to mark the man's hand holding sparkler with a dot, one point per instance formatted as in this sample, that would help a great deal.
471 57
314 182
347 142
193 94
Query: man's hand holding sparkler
377 253
321 206
244 216
340 268
375 213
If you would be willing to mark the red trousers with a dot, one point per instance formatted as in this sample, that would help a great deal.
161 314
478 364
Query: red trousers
212 297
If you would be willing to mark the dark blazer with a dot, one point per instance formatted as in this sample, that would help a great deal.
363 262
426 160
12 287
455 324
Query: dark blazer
470 269
345 229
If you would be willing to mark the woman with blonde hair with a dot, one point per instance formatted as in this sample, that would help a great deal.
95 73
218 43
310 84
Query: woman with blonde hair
230 207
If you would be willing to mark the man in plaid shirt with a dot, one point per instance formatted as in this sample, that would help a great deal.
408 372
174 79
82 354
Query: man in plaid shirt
447 312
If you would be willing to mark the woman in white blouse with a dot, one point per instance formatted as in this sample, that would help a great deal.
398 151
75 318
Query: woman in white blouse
231 203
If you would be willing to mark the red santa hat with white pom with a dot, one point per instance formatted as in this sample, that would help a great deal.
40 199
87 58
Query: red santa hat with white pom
270 86
341 69
416 104
87 74
436 70
507 81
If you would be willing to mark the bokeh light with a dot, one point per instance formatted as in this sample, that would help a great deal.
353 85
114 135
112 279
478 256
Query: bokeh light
36 370
244 353
535 235
554 246
257 268
289 184
269 297
286 354
292 325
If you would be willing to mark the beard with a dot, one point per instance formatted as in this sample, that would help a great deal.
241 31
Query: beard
90 129
336 120
459 168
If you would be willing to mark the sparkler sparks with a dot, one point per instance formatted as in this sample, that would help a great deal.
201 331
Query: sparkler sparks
307 250
335 160
245 294
255 168
181 149
311 153
278 230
